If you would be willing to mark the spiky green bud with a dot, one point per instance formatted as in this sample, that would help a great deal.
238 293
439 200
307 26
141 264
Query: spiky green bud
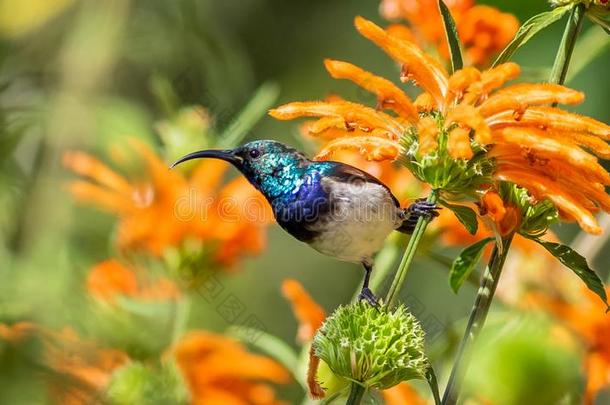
137 383
439 168
375 347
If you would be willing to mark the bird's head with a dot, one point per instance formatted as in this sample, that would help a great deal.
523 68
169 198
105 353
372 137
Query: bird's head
266 164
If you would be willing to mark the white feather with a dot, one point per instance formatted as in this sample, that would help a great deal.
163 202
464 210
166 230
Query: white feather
364 215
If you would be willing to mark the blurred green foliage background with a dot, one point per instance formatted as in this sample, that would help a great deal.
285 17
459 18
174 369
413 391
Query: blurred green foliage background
100 70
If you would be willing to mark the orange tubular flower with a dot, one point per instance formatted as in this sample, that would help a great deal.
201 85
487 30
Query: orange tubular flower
472 124
110 278
505 217
309 314
162 208
219 370
483 30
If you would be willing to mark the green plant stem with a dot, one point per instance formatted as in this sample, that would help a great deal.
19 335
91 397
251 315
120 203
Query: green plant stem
566 47
261 101
481 306
355 394
409 254
433 384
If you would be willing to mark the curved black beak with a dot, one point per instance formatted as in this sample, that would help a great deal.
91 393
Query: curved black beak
227 155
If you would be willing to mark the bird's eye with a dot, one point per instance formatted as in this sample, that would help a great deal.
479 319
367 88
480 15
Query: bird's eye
254 153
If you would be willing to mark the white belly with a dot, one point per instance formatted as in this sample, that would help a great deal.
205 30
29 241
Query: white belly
363 216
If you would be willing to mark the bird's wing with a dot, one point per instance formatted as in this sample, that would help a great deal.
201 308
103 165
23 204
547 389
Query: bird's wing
347 173
299 213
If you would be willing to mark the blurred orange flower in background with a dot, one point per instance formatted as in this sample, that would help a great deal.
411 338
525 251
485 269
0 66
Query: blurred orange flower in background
219 370
79 369
586 316
84 367
110 278
161 208
17 332
544 149
401 394
483 30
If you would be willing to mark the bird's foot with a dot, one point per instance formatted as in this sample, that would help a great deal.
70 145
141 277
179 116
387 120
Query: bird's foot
367 295
423 208
420 208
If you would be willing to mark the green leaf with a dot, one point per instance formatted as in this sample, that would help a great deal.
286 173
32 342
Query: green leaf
465 263
605 25
566 46
433 384
591 44
530 28
578 264
451 34
465 215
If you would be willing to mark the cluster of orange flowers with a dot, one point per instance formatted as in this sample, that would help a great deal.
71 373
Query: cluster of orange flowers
161 212
483 30
161 208
532 145
82 367
549 151
216 369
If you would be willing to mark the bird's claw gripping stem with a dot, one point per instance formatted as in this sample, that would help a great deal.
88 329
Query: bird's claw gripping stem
423 208
367 295
420 208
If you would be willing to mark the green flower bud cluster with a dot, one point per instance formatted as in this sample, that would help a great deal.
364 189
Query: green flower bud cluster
183 132
137 383
440 170
375 347
142 329
587 3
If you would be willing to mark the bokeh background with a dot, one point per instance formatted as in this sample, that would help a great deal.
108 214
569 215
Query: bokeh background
78 74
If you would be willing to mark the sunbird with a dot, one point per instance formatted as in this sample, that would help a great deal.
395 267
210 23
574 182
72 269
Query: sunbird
339 210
